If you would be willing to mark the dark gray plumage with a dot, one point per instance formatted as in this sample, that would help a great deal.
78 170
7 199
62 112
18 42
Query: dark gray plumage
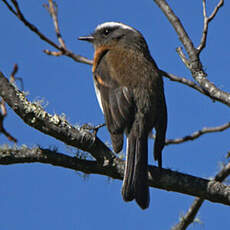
131 94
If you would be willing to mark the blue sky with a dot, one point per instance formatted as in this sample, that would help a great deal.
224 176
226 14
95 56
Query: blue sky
36 196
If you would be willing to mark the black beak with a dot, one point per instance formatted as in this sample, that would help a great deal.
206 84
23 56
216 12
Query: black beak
89 38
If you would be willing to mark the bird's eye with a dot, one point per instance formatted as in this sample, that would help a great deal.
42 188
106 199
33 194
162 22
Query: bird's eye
106 32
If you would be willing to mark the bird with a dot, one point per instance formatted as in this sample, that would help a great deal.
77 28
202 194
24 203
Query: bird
130 93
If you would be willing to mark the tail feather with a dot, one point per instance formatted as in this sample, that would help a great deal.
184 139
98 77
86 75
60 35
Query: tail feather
160 126
127 187
159 145
140 179
135 183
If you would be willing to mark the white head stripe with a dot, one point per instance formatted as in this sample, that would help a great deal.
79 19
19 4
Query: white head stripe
114 24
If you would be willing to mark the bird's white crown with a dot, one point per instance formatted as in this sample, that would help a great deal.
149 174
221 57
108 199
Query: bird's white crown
114 24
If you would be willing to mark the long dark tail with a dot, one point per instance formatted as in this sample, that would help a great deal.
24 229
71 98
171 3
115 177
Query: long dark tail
161 126
135 183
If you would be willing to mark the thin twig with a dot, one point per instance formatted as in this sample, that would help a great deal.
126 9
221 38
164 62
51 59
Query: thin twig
207 20
4 132
213 14
13 78
33 28
197 134
53 53
53 10
189 217
21 17
179 28
93 128
182 80
183 57
14 71
10 7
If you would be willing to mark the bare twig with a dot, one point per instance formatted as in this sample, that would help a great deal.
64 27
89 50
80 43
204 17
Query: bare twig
189 217
183 57
193 63
53 10
13 78
213 14
14 71
207 20
10 7
3 114
93 128
186 82
53 53
17 12
183 80
3 130
198 133
180 30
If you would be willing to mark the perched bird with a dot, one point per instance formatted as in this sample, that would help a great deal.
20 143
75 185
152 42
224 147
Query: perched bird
130 93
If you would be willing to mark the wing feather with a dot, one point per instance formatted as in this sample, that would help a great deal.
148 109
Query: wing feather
116 102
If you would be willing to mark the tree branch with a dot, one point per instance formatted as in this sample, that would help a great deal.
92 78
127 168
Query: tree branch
193 63
59 128
177 25
183 81
159 178
198 133
195 66
207 20
17 12
53 13
35 116
3 110
3 114
189 217
53 9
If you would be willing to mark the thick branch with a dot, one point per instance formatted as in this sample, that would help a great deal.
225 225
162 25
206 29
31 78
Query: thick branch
55 126
159 178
